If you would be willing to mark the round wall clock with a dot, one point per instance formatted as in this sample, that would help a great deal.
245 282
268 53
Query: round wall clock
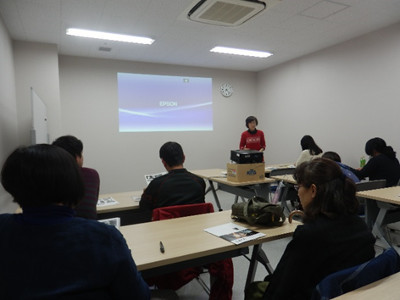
226 90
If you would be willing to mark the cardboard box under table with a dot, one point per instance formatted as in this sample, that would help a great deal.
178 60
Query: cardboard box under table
245 172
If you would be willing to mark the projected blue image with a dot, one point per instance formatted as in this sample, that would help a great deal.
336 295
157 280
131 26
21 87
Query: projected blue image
164 103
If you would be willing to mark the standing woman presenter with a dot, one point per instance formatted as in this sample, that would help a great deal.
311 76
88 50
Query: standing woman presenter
253 138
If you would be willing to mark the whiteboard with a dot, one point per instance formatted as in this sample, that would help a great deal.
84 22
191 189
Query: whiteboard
39 132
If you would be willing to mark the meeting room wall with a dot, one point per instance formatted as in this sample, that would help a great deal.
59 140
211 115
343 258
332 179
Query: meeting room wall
8 110
342 96
89 105
36 66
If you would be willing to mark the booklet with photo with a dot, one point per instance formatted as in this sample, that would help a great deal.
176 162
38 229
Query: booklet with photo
234 233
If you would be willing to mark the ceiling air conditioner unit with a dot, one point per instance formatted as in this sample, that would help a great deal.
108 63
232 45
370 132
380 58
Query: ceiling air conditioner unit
226 12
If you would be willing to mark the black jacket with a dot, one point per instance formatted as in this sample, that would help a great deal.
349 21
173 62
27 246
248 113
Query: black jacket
381 167
178 187
319 248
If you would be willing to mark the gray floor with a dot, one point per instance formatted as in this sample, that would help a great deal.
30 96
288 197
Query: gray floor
274 250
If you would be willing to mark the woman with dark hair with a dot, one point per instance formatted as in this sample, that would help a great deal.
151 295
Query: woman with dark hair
253 138
47 252
332 237
382 164
310 150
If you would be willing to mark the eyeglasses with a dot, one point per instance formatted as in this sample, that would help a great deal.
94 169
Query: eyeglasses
297 186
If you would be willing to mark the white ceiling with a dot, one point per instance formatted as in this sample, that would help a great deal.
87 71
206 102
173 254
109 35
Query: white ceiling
289 29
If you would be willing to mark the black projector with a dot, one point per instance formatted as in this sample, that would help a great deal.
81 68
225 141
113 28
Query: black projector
247 156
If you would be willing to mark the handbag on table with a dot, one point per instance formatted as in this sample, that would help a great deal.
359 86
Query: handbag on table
257 211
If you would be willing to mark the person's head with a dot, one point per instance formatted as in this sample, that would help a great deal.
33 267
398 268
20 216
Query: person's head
377 146
308 143
332 155
171 153
41 175
72 145
324 190
251 122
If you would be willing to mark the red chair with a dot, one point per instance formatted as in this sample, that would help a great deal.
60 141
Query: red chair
177 211
220 271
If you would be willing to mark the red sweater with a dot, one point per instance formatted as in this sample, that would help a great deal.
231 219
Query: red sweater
87 207
253 141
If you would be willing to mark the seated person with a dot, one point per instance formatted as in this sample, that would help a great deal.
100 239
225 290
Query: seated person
332 238
345 169
382 164
47 253
177 187
87 206
310 150
180 187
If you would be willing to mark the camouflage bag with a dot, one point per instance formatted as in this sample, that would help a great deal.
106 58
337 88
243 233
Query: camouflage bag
257 211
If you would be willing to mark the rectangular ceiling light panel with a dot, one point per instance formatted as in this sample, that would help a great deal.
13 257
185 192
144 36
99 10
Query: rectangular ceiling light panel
109 36
244 52
225 12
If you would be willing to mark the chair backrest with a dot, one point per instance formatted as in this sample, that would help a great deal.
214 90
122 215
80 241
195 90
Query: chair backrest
175 280
355 277
282 171
177 211
370 185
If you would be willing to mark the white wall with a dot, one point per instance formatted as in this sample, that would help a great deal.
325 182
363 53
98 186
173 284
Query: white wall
89 106
22 66
342 96
8 110
36 65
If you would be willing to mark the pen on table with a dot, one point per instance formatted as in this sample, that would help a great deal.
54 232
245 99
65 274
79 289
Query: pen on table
162 249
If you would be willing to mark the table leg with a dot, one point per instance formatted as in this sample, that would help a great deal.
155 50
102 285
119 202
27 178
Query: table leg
263 259
258 254
377 228
215 194
237 199
262 191
371 211
282 199
244 192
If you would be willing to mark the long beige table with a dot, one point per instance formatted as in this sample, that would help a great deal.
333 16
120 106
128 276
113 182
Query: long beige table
187 244
288 178
127 208
210 173
245 189
269 168
388 195
386 199
126 201
385 289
